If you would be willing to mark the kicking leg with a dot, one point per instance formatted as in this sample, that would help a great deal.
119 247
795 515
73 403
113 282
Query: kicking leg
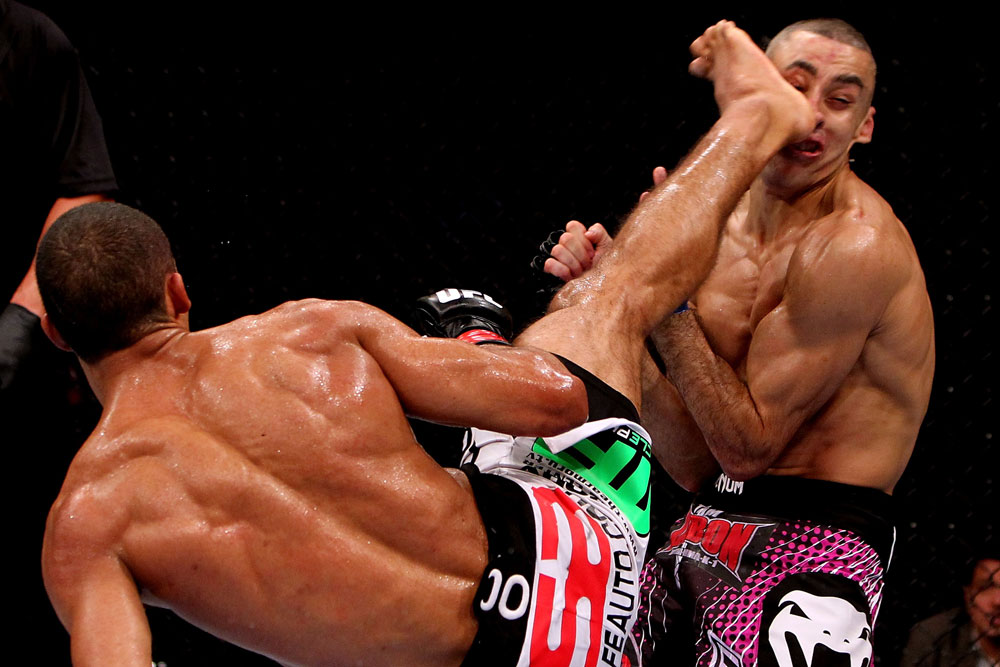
668 244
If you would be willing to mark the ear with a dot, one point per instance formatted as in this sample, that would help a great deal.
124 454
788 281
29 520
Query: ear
175 296
867 127
53 334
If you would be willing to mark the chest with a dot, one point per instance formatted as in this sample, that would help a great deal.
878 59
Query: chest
746 284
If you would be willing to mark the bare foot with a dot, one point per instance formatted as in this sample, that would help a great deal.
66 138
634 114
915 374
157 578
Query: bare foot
746 79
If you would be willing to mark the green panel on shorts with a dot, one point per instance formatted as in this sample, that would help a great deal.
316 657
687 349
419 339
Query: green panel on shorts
618 464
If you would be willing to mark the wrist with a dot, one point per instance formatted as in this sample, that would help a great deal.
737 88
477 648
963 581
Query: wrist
482 337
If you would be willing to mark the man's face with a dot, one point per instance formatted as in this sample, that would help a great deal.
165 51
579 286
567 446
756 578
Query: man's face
838 80
982 598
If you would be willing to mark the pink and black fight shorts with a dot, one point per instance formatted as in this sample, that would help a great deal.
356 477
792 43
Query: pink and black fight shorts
774 571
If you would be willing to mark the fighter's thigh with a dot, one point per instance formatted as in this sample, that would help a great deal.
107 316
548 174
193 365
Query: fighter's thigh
595 338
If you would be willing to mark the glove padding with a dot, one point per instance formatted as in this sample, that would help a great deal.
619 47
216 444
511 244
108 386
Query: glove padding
17 335
464 314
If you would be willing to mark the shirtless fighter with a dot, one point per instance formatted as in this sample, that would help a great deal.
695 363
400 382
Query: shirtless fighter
803 371
261 480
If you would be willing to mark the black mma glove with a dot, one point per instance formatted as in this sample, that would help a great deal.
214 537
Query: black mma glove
17 329
545 248
464 314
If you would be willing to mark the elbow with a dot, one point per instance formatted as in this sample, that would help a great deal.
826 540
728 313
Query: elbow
690 483
744 469
747 461
690 473
741 473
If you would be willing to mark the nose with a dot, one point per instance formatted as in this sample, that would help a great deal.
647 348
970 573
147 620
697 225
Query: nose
989 601
817 109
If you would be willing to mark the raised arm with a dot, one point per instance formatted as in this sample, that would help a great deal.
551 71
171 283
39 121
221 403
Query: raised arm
517 390
838 286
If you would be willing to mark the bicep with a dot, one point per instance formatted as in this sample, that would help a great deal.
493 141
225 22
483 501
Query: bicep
790 375
803 350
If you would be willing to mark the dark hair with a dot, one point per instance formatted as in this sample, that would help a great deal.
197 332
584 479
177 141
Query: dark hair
101 270
968 571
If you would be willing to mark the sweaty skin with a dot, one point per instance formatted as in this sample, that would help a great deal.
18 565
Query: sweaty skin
813 350
261 480
602 319
810 349
814 354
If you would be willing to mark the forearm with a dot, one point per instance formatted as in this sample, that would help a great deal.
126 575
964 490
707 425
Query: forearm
120 650
719 402
110 628
513 390
676 439
524 391
99 604
517 390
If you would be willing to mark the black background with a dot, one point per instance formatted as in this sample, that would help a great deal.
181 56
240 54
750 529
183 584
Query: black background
299 150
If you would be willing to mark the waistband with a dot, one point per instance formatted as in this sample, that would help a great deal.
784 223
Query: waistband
868 512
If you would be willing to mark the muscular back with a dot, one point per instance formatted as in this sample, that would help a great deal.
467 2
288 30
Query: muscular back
261 480
827 320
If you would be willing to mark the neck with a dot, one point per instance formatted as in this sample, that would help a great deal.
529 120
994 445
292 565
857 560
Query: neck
110 370
772 212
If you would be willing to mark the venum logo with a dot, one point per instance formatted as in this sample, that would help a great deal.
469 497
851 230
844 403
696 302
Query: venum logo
815 619
813 630
725 485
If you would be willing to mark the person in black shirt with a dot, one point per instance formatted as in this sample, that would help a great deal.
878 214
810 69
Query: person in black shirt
52 158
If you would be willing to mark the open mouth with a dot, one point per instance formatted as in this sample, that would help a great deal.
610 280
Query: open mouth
806 148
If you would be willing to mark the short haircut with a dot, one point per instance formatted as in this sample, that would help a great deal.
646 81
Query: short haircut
836 29
969 570
101 269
